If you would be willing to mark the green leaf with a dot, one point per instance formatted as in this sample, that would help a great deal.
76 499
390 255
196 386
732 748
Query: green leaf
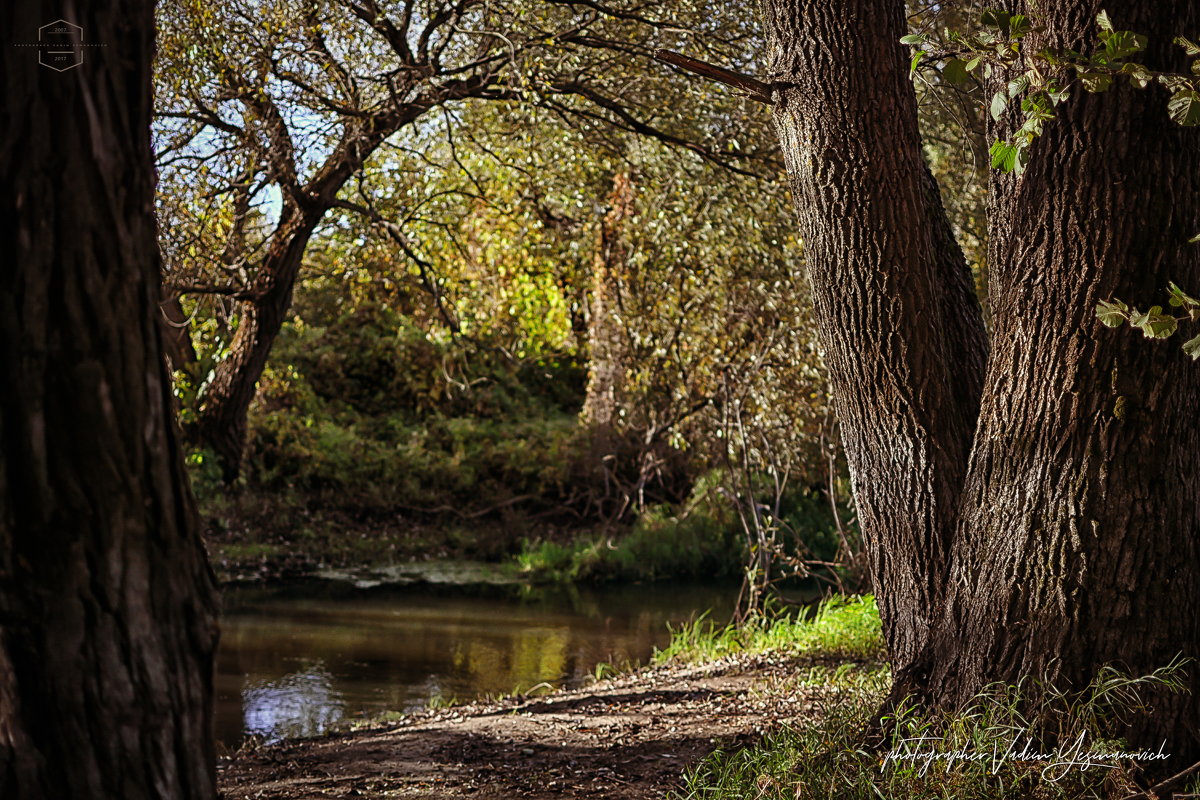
1018 26
1191 47
1155 325
1120 44
1184 107
1104 22
995 18
1180 298
1004 156
1015 87
1139 76
1111 314
1195 239
1192 348
913 39
999 103
972 64
955 72
1095 81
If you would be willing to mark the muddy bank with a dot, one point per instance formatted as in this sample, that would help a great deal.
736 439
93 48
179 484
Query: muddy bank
629 737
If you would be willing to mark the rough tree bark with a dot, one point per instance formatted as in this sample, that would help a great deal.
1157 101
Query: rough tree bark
1078 541
902 333
107 605
1070 541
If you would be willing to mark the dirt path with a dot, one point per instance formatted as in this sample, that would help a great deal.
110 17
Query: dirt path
629 738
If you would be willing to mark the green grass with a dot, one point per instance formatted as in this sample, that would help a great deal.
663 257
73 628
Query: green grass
841 627
830 757
660 545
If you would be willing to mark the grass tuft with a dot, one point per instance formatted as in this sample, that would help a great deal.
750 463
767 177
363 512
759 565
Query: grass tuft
840 627
978 753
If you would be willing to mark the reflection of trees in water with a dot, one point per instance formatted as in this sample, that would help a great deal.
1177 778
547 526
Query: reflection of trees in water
302 703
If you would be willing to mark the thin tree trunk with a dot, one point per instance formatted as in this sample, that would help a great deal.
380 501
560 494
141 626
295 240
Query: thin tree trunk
1078 544
222 412
607 351
107 606
902 333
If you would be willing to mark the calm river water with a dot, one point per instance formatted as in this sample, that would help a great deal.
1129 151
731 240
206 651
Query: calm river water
297 658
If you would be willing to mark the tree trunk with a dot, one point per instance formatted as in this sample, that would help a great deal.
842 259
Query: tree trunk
221 415
177 339
902 333
1078 542
107 606
607 351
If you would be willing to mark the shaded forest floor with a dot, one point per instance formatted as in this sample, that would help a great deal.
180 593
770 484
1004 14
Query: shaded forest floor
628 737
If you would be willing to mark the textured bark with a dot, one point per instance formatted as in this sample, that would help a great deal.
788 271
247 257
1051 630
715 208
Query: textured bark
1078 544
902 333
607 351
107 607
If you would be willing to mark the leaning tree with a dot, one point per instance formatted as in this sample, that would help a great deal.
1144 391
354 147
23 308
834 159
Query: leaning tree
107 605
269 112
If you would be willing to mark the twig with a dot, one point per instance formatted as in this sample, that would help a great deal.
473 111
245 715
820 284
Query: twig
1170 783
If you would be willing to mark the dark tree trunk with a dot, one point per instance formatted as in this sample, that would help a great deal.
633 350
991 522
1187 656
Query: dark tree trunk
901 330
221 416
177 339
607 349
1078 544
107 606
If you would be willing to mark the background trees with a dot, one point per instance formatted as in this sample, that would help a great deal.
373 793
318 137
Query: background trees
107 610
290 101
466 280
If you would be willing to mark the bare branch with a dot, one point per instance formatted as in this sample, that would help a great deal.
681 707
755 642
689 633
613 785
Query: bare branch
754 88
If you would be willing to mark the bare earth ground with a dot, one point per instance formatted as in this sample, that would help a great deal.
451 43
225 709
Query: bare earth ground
630 738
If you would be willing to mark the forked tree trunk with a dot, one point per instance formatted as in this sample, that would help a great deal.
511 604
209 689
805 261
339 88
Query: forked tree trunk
1072 540
107 606
1080 537
901 330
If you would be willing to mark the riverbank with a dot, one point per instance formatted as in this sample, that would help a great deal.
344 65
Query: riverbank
253 536
778 709
629 737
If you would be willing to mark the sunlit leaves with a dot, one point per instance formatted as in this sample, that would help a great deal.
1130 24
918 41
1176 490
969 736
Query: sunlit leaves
1184 107
1004 156
1155 323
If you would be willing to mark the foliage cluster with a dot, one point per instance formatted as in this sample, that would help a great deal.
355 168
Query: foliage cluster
699 538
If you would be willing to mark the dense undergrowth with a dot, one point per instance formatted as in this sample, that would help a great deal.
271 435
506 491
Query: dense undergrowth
371 441
999 747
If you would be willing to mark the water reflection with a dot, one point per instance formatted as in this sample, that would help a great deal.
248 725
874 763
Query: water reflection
301 703
297 658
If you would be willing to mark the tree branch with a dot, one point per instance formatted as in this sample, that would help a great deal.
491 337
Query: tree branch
754 88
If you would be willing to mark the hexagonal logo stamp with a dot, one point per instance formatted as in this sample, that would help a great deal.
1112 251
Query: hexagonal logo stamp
60 45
